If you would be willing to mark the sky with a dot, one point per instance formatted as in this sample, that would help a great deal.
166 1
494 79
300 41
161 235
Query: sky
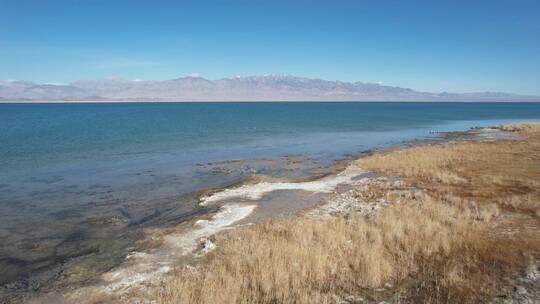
436 45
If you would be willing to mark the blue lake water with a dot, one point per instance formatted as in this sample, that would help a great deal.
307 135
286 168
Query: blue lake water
48 136
63 167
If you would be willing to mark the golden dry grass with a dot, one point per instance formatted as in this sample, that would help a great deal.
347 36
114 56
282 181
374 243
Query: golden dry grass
504 171
310 260
523 127
443 246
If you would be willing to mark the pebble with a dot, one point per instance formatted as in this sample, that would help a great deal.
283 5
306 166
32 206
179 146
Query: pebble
521 290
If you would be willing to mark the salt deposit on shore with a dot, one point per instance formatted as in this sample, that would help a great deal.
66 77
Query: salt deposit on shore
146 267
141 268
257 191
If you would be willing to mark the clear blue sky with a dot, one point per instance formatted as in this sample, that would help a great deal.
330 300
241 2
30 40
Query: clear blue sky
426 45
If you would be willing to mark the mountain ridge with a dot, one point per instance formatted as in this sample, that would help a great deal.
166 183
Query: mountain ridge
247 88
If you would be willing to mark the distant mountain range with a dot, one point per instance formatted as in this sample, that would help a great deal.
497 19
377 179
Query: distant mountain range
253 88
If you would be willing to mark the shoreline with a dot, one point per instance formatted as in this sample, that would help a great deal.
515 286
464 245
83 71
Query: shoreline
396 194
188 241
226 200
232 201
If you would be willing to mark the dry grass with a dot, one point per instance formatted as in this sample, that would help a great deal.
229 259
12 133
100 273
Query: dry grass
439 247
525 127
310 260
506 171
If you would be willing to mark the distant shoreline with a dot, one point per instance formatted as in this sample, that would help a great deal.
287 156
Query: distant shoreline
286 88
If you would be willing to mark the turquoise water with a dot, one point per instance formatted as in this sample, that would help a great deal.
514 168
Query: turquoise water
62 166
36 136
